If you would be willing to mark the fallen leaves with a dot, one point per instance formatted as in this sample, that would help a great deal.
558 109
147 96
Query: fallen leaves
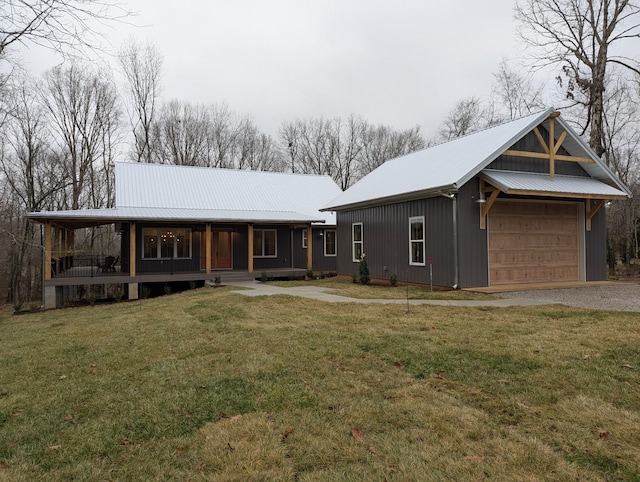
602 433
53 448
398 365
475 458
357 435
285 434
71 419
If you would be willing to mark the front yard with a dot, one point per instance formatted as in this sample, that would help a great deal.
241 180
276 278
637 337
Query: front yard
210 385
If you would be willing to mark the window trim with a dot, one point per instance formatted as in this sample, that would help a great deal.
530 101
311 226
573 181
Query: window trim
335 244
275 255
305 238
158 235
354 242
412 241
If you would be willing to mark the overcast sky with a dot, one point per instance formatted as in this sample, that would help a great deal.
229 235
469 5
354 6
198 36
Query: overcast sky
400 63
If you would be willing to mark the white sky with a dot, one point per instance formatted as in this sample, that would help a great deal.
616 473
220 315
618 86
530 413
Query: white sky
400 63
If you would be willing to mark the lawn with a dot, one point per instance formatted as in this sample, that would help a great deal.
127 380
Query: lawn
211 385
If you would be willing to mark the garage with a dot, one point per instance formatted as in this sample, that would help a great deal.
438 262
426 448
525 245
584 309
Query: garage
533 242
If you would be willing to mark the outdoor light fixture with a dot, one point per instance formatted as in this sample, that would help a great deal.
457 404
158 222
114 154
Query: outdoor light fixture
481 199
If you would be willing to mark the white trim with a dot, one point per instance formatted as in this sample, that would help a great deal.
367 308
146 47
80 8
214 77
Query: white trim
305 239
413 219
275 255
159 231
354 242
335 244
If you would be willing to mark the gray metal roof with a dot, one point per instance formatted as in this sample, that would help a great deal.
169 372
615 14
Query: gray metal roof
180 187
168 192
509 181
448 166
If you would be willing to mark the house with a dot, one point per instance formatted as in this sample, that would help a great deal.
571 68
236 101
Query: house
177 223
521 202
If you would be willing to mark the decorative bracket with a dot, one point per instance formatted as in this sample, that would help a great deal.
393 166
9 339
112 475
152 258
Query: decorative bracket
592 210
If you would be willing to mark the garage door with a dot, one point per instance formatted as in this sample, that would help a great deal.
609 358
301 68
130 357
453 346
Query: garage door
531 242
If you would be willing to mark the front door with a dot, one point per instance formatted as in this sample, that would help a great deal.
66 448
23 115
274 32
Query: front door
221 249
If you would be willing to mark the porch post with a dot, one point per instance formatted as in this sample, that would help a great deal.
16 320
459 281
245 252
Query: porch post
47 250
207 243
309 248
132 249
250 248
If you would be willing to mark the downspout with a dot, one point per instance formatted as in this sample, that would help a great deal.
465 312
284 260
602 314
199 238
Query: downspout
291 263
456 278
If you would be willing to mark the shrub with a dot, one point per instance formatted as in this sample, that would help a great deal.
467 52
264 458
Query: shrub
310 274
264 277
363 269
217 280
393 279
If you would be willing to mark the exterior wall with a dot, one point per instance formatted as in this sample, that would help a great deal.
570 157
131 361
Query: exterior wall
168 265
596 247
386 240
283 250
530 143
320 261
473 250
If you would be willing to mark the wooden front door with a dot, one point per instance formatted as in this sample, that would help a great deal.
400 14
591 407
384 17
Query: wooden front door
533 242
221 249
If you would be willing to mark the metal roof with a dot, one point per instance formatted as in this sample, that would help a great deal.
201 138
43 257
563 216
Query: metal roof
148 192
224 190
448 166
509 181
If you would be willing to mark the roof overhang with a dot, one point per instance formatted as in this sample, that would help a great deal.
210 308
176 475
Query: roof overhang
94 217
407 196
537 184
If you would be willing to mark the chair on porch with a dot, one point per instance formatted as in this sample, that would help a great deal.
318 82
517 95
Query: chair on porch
109 264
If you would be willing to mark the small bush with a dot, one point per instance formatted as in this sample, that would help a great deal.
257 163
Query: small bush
310 274
363 269
145 292
217 280
393 279
264 277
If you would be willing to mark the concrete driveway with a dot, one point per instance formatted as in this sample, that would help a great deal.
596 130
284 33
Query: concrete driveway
610 296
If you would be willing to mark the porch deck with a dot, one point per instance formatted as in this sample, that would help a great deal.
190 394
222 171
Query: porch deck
92 276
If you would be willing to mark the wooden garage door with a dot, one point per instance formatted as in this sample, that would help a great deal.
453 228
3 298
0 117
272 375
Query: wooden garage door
531 242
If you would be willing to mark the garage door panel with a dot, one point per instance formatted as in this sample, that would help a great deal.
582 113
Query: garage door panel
533 242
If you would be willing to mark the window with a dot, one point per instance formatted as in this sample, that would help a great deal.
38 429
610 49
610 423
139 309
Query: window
305 239
264 243
330 242
416 241
166 243
356 240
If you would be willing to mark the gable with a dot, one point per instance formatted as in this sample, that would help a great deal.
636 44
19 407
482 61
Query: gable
444 168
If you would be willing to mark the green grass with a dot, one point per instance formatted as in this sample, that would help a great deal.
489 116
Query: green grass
348 288
210 385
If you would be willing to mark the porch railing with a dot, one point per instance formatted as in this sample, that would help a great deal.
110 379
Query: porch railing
86 266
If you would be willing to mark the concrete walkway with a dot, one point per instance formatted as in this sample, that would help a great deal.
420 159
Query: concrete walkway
255 288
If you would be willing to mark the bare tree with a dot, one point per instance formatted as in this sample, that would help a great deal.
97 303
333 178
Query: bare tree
515 94
84 112
142 66
181 134
465 117
580 36
65 26
31 179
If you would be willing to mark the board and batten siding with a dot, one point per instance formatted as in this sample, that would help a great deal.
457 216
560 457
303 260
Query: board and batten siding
386 241
473 254
531 144
320 261
596 247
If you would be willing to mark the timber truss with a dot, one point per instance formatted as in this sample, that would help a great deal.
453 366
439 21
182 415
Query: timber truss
490 190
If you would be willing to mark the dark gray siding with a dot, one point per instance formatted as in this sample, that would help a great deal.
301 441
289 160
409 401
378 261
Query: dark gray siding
596 247
240 247
320 261
473 255
386 240
168 265
530 143
283 250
